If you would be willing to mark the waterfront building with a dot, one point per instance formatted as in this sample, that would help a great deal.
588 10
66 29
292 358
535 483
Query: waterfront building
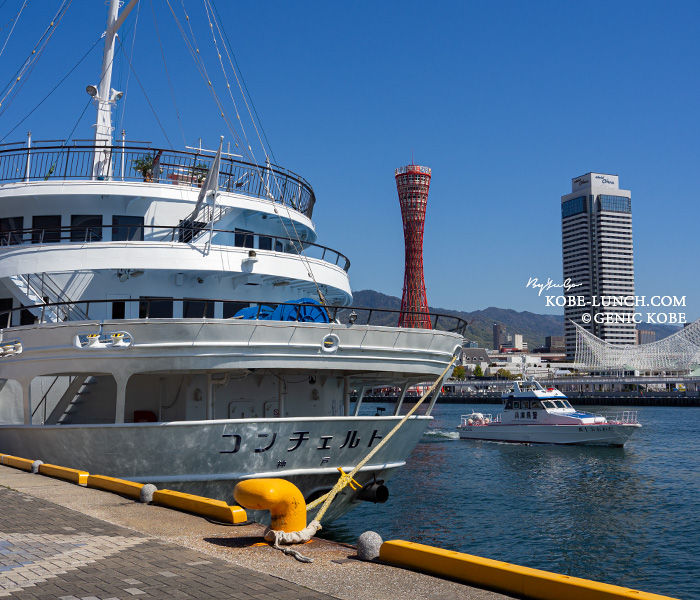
645 336
499 336
597 253
554 343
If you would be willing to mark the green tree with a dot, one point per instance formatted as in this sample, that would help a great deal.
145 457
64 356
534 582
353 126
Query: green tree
505 373
458 373
478 372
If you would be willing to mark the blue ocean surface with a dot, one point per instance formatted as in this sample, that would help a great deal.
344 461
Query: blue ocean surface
627 516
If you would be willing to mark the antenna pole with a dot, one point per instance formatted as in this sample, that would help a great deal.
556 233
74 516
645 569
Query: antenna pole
103 99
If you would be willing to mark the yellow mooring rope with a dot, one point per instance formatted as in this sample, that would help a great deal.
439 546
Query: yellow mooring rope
347 479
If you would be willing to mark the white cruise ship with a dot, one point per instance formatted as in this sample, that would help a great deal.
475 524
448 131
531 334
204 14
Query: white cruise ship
168 317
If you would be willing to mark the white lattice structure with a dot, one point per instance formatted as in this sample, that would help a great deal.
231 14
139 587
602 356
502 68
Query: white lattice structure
674 353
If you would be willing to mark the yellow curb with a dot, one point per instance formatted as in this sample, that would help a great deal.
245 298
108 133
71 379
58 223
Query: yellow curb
118 486
216 509
15 461
501 576
72 475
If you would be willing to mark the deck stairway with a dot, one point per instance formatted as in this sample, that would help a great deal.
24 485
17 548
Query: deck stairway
194 228
59 413
37 289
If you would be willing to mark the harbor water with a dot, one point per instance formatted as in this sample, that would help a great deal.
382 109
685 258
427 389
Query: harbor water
627 516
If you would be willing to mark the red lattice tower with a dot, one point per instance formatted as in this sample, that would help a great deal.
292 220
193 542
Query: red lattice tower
413 184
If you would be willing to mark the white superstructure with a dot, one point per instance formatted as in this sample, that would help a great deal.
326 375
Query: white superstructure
175 323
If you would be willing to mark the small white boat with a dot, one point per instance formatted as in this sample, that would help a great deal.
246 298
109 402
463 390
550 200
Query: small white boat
535 415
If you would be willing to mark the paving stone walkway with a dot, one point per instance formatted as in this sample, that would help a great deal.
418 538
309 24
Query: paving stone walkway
48 551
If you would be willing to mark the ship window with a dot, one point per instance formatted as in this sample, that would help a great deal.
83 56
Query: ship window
5 304
197 309
516 404
10 230
86 228
231 308
46 229
525 404
26 318
535 404
559 404
126 228
243 239
509 404
119 310
156 308
265 242
548 404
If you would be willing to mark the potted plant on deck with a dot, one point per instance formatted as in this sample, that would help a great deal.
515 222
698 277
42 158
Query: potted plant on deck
144 165
199 173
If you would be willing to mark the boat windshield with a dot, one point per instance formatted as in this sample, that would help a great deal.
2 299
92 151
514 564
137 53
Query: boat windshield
560 404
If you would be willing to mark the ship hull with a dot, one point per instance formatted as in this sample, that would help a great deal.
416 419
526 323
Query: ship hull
587 435
209 457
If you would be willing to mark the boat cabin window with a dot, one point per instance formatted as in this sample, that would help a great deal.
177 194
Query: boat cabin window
118 309
5 304
516 404
559 404
9 230
156 308
264 242
127 228
548 404
46 229
525 404
244 239
197 309
566 404
535 404
231 308
26 318
86 228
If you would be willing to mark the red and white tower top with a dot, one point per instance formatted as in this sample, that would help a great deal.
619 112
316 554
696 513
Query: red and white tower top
413 184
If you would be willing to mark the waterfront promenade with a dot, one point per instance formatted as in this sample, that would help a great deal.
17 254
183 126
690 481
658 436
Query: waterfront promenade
59 540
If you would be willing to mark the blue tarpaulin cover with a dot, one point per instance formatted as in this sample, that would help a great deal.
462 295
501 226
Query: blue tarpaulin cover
306 310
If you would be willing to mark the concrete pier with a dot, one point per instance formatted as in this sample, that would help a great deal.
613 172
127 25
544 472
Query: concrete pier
65 541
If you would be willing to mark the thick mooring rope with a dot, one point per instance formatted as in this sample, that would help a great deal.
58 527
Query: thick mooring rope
300 537
346 479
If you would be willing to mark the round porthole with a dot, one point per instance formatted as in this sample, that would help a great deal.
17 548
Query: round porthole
330 343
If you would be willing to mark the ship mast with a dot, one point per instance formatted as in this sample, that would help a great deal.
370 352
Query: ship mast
105 97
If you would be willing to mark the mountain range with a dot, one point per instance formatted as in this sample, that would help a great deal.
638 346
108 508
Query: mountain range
532 326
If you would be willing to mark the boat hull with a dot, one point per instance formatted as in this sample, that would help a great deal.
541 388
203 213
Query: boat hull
209 457
607 434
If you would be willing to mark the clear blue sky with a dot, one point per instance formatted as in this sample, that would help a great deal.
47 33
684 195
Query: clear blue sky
506 101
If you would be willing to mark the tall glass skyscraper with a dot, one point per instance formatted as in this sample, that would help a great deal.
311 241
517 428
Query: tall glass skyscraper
596 233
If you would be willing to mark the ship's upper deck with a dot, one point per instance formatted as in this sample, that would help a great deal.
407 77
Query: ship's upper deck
58 161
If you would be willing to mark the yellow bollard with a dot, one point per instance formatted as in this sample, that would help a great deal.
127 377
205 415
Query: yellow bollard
283 499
